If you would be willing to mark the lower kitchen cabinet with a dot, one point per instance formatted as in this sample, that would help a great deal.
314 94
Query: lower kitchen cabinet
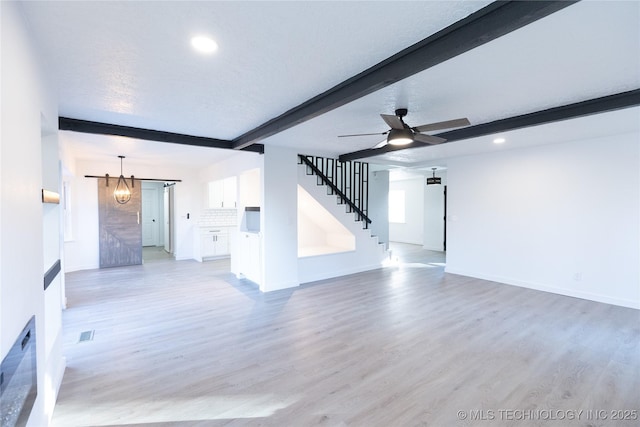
214 243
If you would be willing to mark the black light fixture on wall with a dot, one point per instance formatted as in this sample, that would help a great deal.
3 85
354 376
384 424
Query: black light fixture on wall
434 180
122 193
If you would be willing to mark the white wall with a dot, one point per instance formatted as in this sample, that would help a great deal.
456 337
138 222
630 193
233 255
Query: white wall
28 110
231 166
318 230
563 218
52 236
379 204
279 219
83 252
412 231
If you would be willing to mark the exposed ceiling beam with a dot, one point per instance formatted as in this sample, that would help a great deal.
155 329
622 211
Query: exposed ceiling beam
85 126
493 21
592 106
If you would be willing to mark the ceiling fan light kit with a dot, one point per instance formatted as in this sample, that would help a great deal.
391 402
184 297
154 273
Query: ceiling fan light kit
400 137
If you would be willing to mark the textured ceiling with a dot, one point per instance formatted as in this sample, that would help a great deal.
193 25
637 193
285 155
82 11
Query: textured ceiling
130 63
583 128
558 60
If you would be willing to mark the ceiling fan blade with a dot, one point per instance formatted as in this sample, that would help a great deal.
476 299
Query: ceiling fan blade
362 134
380 144
428 139
394 122
455 123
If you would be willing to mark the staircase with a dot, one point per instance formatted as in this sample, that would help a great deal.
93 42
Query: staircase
341 189
348 181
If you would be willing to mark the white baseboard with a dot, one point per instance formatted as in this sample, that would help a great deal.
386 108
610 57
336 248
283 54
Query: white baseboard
330 274
72 268
286 285
62 366
551 289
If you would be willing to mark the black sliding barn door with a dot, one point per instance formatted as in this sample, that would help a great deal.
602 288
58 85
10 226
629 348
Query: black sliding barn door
120 225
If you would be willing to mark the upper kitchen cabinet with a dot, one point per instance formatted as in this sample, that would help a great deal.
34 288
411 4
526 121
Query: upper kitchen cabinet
222 193
250 189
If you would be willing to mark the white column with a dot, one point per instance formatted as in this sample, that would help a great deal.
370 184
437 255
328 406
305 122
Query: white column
279 219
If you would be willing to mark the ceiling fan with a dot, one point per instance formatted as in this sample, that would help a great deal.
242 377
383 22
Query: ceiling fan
403 134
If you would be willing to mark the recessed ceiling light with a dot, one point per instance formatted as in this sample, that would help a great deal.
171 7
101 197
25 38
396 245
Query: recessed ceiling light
204 44
499 140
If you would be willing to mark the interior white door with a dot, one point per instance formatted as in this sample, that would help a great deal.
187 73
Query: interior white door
150 222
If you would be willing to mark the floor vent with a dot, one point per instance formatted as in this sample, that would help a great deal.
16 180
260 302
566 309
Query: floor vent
86 336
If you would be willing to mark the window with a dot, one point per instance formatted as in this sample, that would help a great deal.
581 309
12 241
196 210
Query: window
396 206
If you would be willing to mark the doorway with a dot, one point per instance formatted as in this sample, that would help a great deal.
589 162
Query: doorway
156 221
168 208
435 213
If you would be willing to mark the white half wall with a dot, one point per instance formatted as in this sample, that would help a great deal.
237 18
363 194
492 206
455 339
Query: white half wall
319 232
562 218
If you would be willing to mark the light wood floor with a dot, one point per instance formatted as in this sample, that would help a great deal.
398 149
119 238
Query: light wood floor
155 253
186 344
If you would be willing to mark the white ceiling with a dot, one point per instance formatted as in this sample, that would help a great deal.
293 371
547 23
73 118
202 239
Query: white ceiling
582 128
130 63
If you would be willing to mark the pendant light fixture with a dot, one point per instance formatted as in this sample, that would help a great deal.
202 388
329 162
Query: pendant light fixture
122 193
434 180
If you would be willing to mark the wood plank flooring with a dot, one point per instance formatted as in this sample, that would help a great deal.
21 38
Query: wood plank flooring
182 343
155 253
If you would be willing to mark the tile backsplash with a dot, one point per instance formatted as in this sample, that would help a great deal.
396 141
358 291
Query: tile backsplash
218 217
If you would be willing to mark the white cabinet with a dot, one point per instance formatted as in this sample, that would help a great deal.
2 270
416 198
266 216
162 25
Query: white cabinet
249 189
222 244
229 190
222 193
214 242
216 194
250 257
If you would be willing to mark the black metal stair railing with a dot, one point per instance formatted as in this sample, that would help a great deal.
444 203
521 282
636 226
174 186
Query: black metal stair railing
347 180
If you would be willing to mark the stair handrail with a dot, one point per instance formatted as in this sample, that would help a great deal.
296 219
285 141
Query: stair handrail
335 189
